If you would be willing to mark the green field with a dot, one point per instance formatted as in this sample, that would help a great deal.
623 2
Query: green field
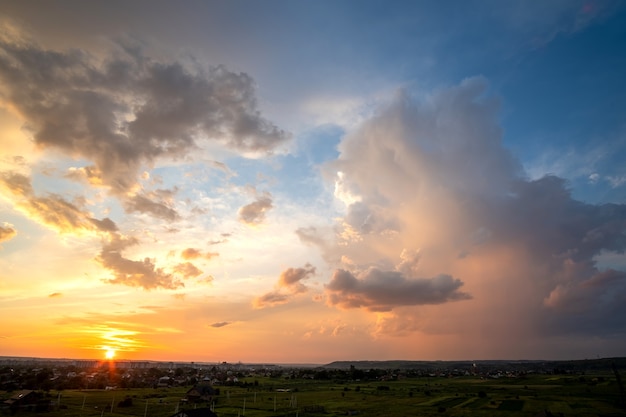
424 396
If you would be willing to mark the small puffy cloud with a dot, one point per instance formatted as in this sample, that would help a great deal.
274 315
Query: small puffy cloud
254 213
187 270
291 278
16 184
143 204
88 174
55 295
193 253
7 232
207 279
143 274
271 299
378 290
616 180
105 225
220 324
289 284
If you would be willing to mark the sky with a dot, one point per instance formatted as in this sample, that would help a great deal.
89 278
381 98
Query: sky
304 182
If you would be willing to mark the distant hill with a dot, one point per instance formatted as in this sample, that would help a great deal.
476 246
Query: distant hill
565 365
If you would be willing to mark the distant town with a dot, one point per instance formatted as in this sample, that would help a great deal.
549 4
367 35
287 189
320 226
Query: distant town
59 374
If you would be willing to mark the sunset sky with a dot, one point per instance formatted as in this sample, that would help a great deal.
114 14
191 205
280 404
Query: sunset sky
309 181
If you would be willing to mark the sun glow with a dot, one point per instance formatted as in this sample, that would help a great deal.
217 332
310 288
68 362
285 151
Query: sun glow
109 353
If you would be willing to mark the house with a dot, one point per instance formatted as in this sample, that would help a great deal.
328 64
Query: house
22 399
196 412
201 393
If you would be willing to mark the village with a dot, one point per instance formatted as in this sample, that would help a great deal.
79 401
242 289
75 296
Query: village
170 388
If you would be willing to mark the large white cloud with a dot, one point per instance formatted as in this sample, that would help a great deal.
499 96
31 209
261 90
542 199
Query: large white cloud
433 176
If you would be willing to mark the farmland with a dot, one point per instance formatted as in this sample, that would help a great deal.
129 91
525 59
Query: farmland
594 394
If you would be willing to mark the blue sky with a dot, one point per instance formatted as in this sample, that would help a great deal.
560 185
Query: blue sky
414 178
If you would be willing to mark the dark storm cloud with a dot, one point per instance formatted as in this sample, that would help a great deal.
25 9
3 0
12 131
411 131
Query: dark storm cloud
254 213
378 290
126 110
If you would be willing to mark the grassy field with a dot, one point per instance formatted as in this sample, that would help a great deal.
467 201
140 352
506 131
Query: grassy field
463 396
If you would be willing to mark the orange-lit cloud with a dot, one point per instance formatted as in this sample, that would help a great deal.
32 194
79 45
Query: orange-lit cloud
193 253
187 270
144 274
52 210
271 299
89 174
254 213
7 232
289 284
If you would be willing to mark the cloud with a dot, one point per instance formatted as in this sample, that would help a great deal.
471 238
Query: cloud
378 290
187 270
143 204
65 217
220 324
123 110
55 295
143 274
271 299
89 174
193 253
16 183
207 279
105 225
51 210
292 278
289 284
433 176
254 213
7 232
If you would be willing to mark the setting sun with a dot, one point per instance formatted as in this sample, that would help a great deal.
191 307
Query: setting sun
110 353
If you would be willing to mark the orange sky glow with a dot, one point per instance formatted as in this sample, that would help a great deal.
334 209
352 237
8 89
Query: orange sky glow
191 184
